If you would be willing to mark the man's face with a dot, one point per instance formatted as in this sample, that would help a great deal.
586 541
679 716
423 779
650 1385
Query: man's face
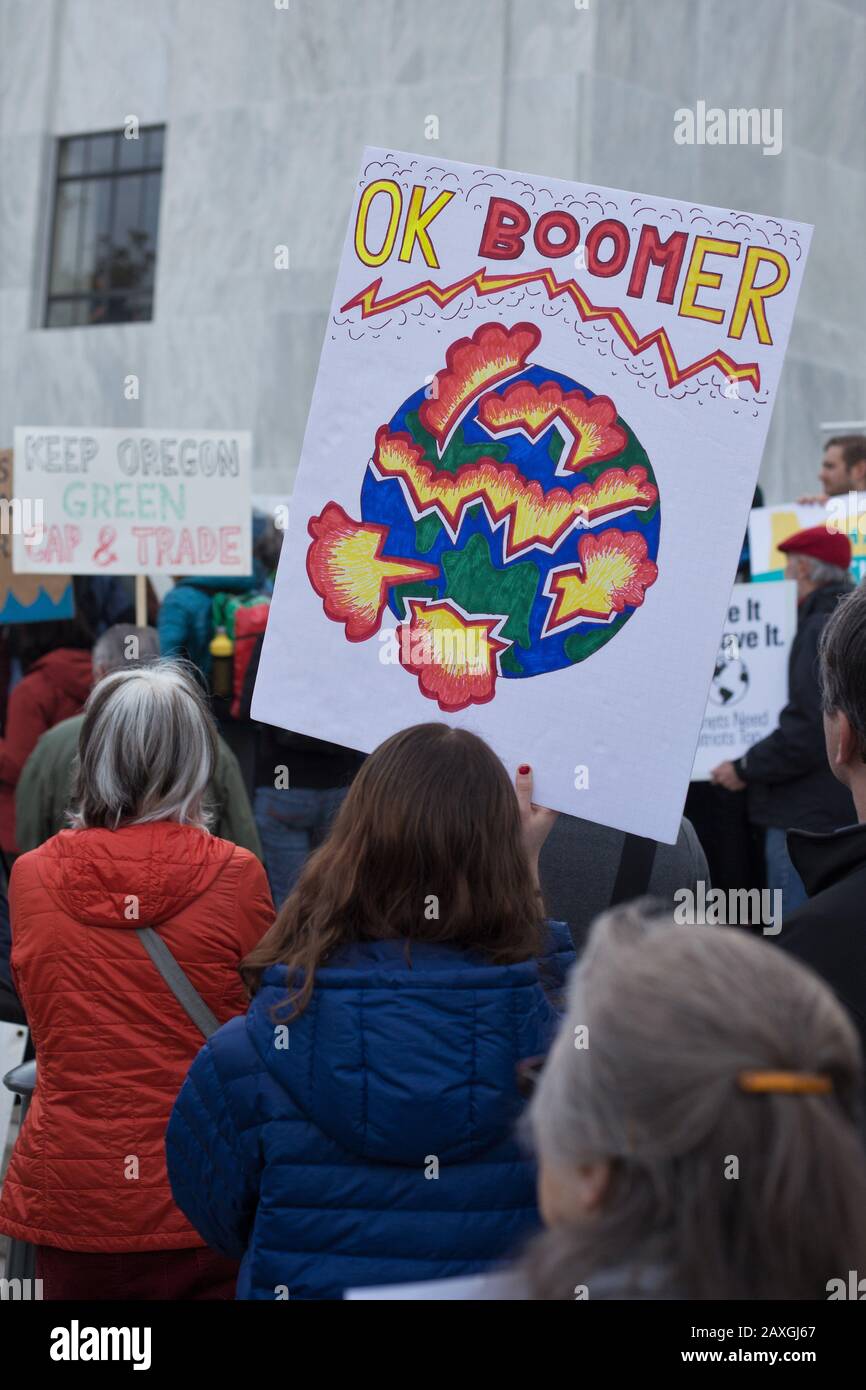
797 569
834 475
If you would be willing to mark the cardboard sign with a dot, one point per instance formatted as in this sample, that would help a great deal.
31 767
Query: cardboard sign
750 681
527 471
26 598
769 526
134 501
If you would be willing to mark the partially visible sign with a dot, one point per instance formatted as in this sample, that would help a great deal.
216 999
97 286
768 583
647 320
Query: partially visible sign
769 526
134 501
749 688
26 598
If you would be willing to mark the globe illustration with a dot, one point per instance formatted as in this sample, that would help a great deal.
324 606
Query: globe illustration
474 568
730 681
509 521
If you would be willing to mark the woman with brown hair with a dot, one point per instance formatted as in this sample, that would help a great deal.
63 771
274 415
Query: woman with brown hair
357 1127
696 1123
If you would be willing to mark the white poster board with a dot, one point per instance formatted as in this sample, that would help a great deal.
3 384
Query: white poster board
527 471
137 501
769 526
750 681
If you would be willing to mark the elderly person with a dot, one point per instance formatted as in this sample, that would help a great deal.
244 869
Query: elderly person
87 1183
42 794
695 1123
789 783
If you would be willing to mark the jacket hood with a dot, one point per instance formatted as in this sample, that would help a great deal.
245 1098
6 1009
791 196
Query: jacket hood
69 669
401 1059
822 860
92 874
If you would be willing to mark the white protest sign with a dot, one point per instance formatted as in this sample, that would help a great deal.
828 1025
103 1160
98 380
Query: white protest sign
749 688
134 501
527 471
769 526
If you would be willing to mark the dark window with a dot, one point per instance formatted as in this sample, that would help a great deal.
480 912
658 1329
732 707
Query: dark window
103 244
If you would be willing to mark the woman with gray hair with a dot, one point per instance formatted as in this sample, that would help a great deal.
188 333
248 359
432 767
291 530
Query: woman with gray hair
118 1012
696 1123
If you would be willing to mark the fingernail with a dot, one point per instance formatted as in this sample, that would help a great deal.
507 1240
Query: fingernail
523 769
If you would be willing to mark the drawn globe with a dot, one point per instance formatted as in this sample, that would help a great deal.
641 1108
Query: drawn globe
475 571
730 681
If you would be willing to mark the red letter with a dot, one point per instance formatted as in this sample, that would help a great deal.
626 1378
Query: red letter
164 543
72 535
566 223
228 545
207 545
143 534
620 238
651 249
502 238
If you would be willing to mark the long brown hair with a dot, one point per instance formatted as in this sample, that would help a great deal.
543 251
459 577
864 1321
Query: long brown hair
427 846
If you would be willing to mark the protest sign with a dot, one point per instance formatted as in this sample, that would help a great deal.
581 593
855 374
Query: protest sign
134 501
26 598
526 475
769 526
750 681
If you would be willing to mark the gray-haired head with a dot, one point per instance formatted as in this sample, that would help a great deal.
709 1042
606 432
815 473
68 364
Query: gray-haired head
843 663
673 1015
147 750
124 646
821 573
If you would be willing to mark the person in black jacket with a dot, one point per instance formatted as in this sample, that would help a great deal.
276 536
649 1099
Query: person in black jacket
789 782
829 932
300 783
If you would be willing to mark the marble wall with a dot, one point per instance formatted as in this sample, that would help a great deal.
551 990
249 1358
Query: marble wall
267 110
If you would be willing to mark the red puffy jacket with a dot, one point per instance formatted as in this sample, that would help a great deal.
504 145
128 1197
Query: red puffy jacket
113 1045
55 688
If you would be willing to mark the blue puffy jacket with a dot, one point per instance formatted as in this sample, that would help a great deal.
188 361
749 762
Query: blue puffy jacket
315 1160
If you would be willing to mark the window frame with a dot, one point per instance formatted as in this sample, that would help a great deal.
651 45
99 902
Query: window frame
114 174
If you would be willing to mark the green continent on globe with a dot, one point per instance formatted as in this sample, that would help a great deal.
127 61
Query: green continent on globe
478 586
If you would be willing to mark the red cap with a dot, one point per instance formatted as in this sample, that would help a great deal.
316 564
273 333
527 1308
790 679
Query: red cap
821 543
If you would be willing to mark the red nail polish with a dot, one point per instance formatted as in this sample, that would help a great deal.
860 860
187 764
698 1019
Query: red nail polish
523 769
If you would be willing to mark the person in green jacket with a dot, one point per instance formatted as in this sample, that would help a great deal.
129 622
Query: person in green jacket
42 794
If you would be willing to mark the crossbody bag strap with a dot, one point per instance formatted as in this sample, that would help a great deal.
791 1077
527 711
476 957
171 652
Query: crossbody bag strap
178 981
635 869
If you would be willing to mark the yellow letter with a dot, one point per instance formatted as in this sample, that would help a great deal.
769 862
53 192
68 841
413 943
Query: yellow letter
417 223
697 277
393 191
750 297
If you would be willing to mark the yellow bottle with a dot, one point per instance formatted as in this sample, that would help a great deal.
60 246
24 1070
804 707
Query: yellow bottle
222 650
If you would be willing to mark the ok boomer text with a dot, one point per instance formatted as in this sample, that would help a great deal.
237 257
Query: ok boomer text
681 268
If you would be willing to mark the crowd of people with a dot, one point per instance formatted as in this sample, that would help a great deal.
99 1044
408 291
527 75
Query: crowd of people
307 1022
